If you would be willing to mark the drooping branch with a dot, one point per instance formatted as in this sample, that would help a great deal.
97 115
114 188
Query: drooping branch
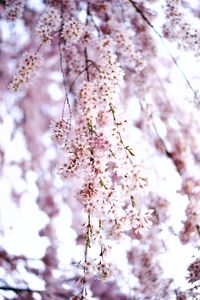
62 69
18 290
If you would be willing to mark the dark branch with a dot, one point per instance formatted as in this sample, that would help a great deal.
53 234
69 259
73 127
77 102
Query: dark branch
18 290
86 64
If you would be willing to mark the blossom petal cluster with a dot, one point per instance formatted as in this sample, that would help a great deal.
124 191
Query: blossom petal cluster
48 24
29 64
194 271
183 30
72 31
13 10
95 153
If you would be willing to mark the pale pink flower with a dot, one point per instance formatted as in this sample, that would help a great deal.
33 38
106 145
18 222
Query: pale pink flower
194 271
14 10
143 221
48 24
28 66
72 31
60 130
69 168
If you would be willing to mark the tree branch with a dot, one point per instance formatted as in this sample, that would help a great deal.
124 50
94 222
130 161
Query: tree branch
18 290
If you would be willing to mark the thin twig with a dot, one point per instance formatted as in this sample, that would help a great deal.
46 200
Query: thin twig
94 64
86 64
77 76
81 72
93 21
65 86
63 73
38 49
126 148
167 152
18 290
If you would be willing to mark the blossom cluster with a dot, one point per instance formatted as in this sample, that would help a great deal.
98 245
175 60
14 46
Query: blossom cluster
97 155
48 24
60 131
29 64
124 43
185 32
72 31
190 187
194 271
13 10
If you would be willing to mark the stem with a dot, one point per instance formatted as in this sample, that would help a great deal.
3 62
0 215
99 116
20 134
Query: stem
38 49
87 246
86 64
77 76
92 19
18 290
87 237
62 71
126 148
